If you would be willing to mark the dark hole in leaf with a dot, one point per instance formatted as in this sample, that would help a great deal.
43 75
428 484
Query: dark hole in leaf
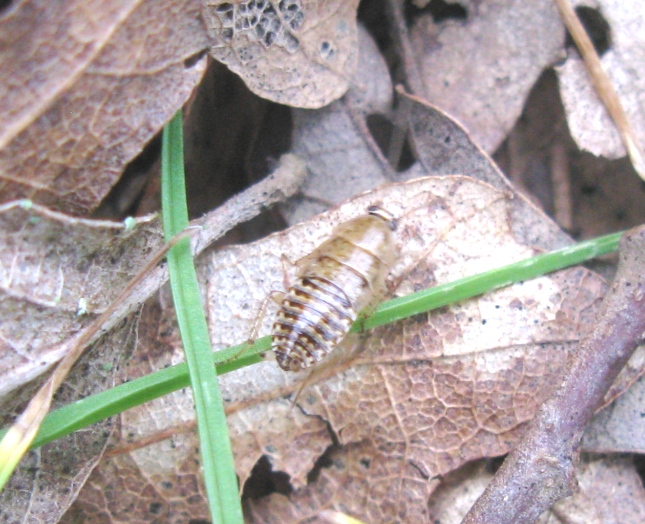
192 60
226 6
227 34
440 10
588 190
639 464
264 481
5 5
382 131
324 461
492 465
597 28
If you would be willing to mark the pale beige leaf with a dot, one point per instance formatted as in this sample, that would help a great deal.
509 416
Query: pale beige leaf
620 427
481 70
84 86
611 492
54 273
48 479
588 120
297 52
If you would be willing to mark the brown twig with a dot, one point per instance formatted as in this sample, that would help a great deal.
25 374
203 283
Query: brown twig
603 85
413 77
540 470
560 180
360 123
399 32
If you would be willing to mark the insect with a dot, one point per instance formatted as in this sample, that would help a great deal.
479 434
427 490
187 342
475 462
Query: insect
341 277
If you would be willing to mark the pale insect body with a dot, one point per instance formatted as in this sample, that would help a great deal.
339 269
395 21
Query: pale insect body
341 277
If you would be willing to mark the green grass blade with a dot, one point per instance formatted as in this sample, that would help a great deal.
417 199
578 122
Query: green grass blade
469 287
92 409
118 399
215 446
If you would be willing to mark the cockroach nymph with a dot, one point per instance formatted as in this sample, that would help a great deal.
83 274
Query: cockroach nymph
339 279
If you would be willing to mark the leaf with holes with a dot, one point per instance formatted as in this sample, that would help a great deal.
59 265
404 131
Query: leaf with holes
300 53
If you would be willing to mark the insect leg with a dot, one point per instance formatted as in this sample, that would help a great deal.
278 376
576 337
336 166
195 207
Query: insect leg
333 364
286 263
277 296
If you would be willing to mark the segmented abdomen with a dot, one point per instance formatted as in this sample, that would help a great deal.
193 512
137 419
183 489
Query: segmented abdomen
315 316
339 279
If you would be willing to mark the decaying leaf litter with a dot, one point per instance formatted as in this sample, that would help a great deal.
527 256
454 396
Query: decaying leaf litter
323 156
36 222
103 80
547 453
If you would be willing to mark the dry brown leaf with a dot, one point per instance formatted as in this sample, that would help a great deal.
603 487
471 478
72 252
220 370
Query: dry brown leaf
426 395
590 125
298 53
59 272
292 441
430 393
481 71
114 493
339 161
84 86
53 266
49 478
333 142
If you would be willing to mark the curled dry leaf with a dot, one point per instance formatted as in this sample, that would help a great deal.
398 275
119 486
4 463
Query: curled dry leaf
588 120
84 86
300 53
481 70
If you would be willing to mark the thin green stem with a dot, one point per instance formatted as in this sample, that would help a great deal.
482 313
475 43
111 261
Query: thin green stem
215 446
